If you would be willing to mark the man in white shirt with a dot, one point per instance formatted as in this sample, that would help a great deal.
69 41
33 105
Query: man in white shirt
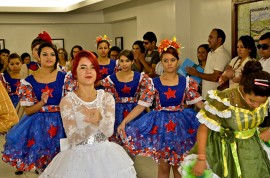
217 60
264 51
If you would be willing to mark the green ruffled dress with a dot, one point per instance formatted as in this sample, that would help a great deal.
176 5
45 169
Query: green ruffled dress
233 146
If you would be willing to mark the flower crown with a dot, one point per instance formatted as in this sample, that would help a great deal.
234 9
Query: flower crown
165 44
45 36
102 38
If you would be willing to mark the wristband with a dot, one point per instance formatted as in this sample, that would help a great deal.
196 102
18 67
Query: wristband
201 158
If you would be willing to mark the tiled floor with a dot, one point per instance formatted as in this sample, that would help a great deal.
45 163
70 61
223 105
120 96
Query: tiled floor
145 167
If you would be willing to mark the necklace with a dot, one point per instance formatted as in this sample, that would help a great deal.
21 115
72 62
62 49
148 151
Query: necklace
240 93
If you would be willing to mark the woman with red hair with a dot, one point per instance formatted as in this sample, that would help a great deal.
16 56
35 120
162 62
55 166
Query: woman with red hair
88 117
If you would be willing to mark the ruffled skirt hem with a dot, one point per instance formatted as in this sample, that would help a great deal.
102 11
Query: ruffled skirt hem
102 160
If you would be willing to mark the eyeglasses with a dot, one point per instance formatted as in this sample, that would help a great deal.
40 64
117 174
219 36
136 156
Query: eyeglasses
263 46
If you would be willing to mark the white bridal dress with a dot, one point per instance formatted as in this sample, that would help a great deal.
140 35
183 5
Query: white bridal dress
87 153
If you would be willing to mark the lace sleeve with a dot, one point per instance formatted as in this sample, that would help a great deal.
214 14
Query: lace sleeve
108 114
76 129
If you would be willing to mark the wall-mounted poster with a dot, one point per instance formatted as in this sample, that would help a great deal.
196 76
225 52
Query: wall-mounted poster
119 42
259 22
59 43
2 44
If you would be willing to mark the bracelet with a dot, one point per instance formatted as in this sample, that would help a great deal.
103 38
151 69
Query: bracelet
201 158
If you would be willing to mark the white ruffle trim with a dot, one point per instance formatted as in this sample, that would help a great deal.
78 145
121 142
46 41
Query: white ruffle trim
187 83
210 125
109 79
266 149
223 114
213 96
26 103
24 82
3 77
145 104
194 101
188 160
142 76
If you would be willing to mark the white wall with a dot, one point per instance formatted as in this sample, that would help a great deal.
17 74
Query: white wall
189 20
150 17
51 18
206 15
18 38
182 21
126 29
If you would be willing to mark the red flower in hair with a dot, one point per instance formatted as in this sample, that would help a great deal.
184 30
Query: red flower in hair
165 44
33 66
45 36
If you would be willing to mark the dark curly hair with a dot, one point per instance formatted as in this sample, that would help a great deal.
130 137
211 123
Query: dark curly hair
253 71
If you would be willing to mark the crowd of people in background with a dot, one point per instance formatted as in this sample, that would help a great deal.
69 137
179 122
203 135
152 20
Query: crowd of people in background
68 115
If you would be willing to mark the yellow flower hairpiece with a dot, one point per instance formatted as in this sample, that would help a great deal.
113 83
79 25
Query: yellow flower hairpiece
165 44
101 38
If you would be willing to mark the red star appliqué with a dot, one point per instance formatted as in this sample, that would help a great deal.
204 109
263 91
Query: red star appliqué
125 113
47 89
170 126
170 93
154 130
104 70
126 89
17 83
191 131
52 131
31 142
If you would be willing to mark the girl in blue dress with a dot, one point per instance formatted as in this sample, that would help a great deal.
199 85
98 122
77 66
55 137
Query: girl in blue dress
107 65
35 140
30 68
129 89
168 132
11 79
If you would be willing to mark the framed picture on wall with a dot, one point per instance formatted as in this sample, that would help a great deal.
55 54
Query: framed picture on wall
119 42
259 22
2 44
59 42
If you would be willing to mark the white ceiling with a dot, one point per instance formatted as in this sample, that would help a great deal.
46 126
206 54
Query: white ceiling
61 6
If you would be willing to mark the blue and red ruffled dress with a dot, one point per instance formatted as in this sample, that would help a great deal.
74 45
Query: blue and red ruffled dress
107 70
35 140
127 96
169 131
